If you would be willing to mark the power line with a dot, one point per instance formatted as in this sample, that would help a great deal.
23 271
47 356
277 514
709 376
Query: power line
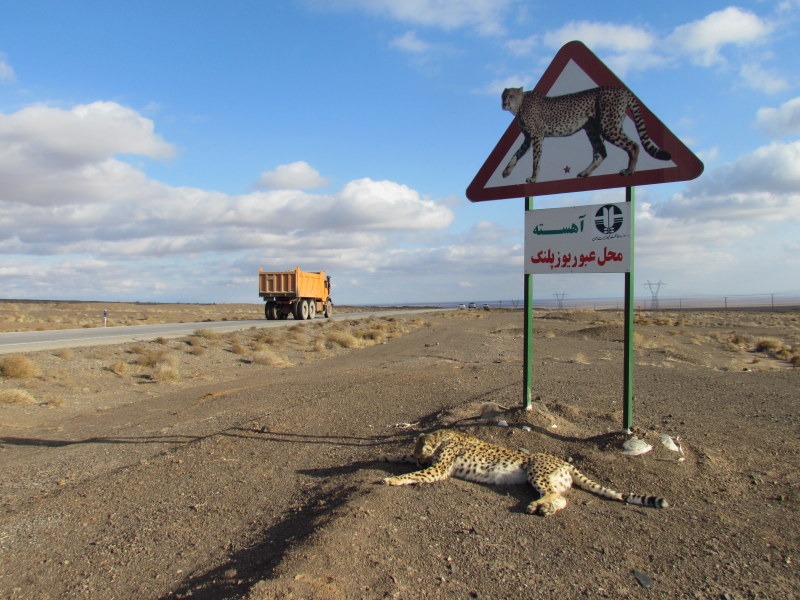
654 289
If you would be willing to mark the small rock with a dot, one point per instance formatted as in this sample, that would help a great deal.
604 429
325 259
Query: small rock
643 578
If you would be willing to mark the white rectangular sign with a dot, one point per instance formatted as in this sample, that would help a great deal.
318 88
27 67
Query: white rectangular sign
578 239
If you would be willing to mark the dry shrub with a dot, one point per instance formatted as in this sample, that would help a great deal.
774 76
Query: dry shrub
795 360
161 340
580 358
769 345
197 350
264 337
64 353
56 402
372 336
740 340
268 358
257 346
343 339
119 367
17 366
165 373
150 358
208 334
194 341
237 348
16 396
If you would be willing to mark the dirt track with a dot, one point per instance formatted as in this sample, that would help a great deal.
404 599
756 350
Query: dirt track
262 486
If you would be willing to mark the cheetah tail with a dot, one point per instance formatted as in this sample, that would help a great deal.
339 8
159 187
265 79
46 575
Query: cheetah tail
647 143
648 501
588 485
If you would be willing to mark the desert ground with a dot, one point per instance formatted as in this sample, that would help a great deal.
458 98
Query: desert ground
242 465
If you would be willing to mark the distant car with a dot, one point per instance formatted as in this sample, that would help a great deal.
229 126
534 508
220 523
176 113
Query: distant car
462 306
485 307
473 305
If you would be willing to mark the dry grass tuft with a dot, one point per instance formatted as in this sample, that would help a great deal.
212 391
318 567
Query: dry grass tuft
269 358
17 366
119 367
580 358
16 396
208 334
65 353
342 339
165 373
769 345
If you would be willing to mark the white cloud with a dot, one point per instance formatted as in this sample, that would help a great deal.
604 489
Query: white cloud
625 47
783 121
6 72
294 176
484 16
602 36
68 196
496 87
83 134
522 46
757 78
703 39
409 42
761 186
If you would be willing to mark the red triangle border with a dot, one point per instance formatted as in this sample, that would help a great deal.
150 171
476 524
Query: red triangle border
688 166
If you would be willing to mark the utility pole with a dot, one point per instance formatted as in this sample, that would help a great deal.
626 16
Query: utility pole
560 298
654 289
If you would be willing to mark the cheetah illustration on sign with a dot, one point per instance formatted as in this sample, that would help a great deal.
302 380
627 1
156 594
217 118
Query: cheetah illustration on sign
599 111
544 149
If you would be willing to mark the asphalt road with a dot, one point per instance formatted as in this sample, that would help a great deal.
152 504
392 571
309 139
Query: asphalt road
31 341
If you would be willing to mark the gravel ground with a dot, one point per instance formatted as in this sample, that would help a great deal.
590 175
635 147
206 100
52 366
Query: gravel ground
257 480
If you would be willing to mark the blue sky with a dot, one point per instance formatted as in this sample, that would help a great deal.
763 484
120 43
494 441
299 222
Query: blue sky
164 151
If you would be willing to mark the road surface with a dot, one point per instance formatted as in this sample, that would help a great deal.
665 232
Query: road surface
32 341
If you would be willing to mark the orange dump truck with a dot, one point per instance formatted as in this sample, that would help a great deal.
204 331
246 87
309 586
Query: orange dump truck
295 293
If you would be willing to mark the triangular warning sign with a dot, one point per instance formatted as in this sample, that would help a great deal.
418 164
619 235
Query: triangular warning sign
563 161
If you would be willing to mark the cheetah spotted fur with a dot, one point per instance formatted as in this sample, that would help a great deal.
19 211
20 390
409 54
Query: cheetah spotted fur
447 453
599 111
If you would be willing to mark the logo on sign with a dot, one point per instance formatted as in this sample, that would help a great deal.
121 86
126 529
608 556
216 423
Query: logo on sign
608 219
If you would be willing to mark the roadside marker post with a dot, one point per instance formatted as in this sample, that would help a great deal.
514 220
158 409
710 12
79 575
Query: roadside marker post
601 239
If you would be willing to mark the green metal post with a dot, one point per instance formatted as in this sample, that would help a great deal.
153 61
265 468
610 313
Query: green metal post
527 375
627 379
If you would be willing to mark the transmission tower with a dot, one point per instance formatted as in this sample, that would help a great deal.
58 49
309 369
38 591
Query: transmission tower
654 289
560 298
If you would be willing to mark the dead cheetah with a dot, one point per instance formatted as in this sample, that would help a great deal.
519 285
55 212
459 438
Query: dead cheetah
447 453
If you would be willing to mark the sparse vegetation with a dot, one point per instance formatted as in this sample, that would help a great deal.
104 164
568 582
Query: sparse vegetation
769 345
342 339
18 366
208 334
163 372
269 358
119 367
16 396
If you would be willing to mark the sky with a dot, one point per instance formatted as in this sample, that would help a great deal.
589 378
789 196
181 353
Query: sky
164 151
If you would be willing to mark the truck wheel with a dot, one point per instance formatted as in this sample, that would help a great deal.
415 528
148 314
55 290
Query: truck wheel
312 309
271 311
328 309
301 310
